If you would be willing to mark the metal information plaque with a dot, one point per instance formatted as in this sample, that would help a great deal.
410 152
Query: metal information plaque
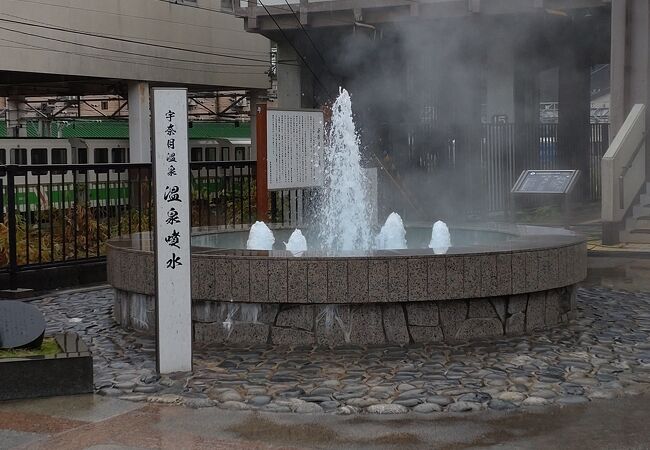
294 149
545 182
173 288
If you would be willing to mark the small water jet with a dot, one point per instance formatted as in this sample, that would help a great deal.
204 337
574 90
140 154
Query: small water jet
260 237
440 238
392 235
297 243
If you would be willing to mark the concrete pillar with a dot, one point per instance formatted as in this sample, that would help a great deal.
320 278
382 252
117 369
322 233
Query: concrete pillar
289 78
526 91
500 78
15 117
139 122
630 63
574 96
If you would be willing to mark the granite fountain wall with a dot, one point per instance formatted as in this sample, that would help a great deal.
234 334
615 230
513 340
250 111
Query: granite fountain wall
248 298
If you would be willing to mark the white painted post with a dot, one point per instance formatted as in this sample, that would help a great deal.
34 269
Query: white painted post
139 122
173 225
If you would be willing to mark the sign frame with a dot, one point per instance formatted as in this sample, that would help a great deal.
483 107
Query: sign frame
317 176
171 177
517 188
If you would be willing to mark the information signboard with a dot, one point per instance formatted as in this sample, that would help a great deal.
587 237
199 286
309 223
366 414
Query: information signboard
294 148
545 182
172 193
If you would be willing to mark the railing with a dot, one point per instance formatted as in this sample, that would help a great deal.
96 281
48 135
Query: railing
623 171
54 215
506 150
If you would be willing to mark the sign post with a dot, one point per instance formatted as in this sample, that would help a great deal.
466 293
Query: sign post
261 172
172 193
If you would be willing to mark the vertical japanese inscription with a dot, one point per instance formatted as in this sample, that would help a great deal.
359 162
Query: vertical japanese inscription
172 230
294 149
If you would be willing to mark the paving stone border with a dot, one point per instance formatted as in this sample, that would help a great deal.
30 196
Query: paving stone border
603 353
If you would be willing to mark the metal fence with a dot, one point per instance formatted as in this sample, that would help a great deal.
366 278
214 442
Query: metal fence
54 215
64 214
505 150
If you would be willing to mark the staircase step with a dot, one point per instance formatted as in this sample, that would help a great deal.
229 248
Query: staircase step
641 210
633 223
636 236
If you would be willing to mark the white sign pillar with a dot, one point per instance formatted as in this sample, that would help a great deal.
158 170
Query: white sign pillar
172 190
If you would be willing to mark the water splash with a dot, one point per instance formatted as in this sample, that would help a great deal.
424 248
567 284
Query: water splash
297 244
230 315
392 235
249 312
330 313
440 238
260 237
345 211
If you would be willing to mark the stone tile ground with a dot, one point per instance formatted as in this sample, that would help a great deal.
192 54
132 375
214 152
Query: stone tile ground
605 353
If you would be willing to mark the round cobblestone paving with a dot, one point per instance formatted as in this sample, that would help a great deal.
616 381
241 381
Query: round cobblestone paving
605 353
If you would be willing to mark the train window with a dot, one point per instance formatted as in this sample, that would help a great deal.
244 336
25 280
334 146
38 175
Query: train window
118 155
3 156
39 156
240 153
196 154
225 153
101 156
210 154
59 156
18 156
82 156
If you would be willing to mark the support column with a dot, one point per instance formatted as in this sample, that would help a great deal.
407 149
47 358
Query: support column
289 77
500 74
630 63
574 94
139 122
16 126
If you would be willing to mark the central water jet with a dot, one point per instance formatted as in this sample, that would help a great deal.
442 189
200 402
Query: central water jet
345 213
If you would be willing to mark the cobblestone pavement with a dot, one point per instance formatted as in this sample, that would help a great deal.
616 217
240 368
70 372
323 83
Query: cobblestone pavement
604 354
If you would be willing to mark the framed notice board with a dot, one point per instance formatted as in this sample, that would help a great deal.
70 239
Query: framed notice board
545 186
546 182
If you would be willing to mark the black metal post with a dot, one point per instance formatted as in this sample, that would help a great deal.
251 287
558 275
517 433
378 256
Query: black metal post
11 211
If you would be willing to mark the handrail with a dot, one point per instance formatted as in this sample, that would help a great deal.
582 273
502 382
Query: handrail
623 166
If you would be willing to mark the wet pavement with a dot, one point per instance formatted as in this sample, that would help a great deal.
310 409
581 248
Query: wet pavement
571 373
603 354
48 424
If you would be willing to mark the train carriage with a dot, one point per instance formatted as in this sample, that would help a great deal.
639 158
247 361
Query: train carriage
47 188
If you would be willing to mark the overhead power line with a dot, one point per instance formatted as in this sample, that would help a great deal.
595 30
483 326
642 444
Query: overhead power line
106 58
139 37
130 41
250 2
302 58
155 19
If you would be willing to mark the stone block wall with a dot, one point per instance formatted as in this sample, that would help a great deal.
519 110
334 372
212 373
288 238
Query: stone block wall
360 324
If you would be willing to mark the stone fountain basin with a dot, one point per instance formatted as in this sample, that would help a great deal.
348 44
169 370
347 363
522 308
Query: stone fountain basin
496 280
